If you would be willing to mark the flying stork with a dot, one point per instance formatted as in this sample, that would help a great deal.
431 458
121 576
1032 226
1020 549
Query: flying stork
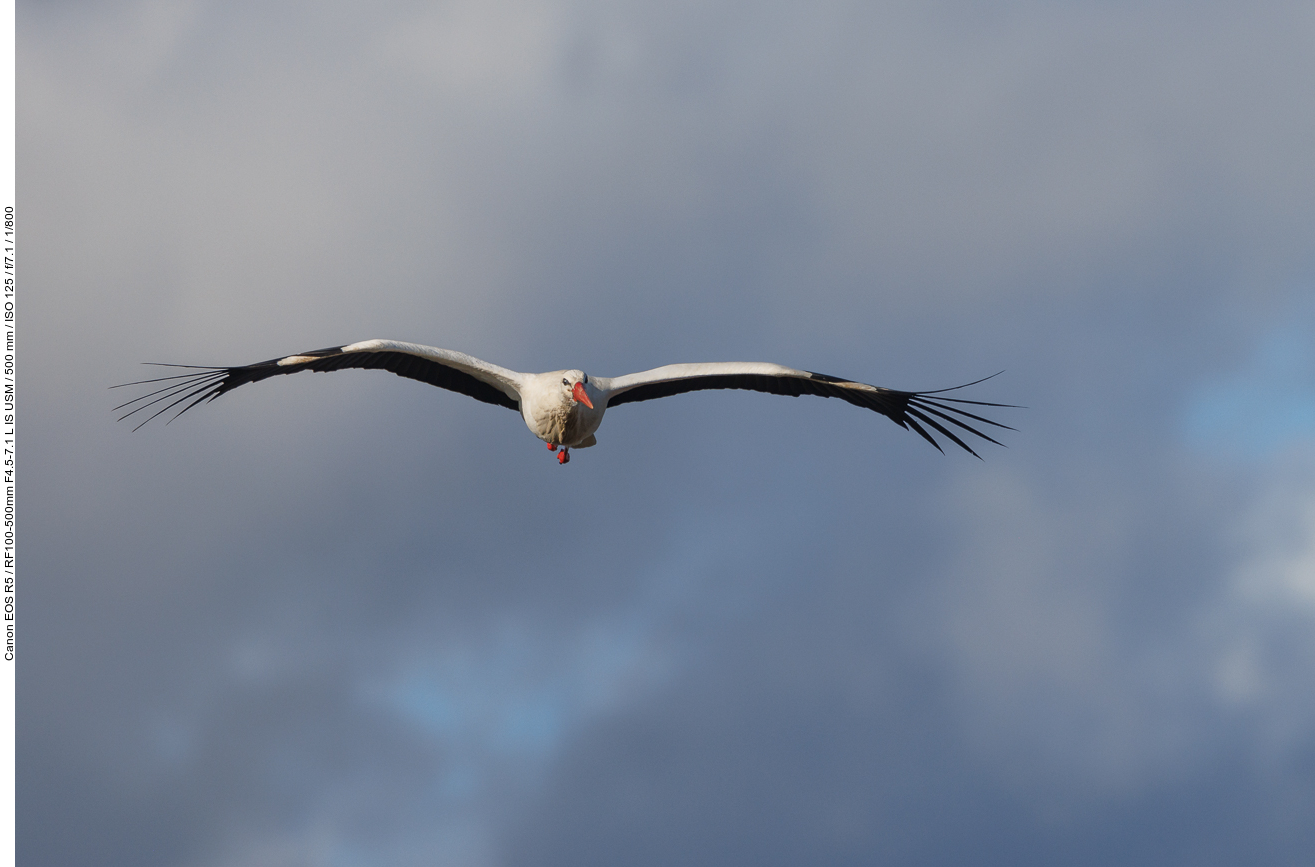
565 407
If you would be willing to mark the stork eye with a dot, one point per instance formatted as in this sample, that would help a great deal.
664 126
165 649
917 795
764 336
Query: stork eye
566 382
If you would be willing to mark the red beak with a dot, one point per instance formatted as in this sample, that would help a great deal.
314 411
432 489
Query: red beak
580 396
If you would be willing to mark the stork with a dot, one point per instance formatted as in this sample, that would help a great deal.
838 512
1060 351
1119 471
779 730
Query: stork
565 407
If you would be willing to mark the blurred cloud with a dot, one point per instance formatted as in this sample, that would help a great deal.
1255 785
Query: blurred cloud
350 620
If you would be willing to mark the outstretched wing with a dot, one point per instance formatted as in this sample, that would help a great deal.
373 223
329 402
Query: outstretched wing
914 410
444 368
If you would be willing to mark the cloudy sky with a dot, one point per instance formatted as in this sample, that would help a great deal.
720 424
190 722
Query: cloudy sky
353 620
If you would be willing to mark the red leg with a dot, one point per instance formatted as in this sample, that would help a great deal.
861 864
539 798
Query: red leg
563 457
552 447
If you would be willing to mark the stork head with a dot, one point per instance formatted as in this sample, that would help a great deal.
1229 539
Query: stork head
573 386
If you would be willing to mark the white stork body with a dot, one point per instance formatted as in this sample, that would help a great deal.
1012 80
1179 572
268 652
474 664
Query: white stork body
552 412
565 407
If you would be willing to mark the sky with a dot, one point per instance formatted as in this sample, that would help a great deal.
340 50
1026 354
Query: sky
331 621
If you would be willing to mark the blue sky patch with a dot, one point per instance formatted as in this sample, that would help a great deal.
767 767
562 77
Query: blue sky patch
1263 408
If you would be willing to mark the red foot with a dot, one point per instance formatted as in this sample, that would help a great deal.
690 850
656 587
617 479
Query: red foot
563 457
552 447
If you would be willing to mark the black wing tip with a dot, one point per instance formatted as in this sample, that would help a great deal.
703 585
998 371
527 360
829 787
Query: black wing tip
202 383
908 408
923 404
929 411
189 389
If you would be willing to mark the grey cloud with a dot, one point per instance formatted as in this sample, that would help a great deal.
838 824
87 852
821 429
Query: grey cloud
350 620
